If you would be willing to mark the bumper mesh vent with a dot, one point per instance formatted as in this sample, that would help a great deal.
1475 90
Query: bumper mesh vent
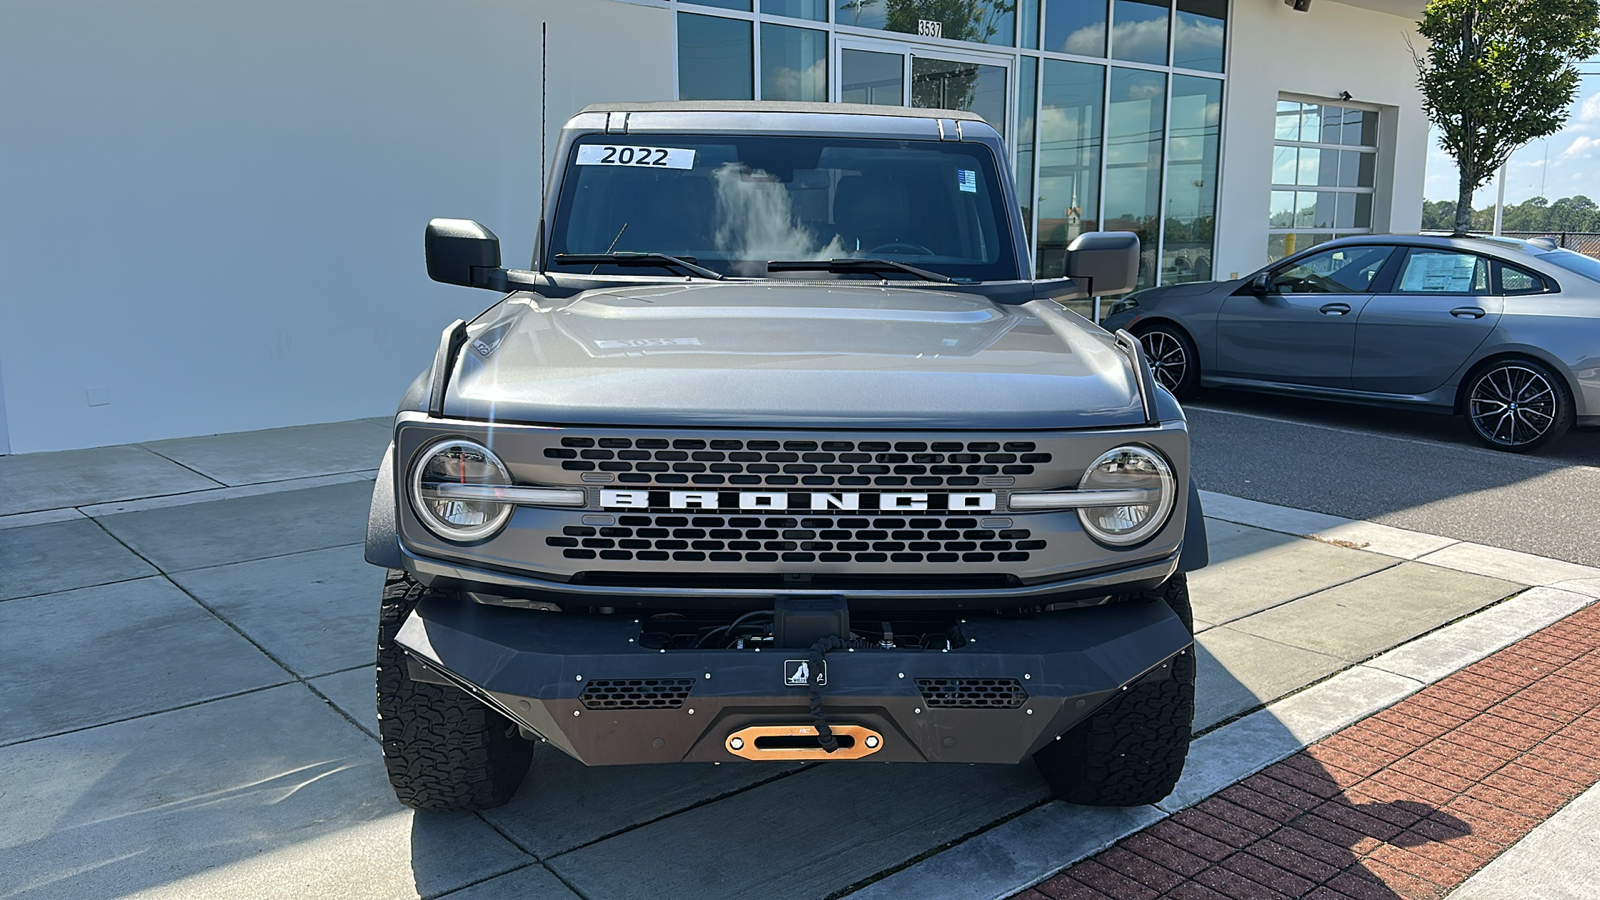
972 693
765 539
636 693
755 463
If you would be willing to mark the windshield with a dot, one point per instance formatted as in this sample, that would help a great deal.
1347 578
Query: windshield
1587 266
734 203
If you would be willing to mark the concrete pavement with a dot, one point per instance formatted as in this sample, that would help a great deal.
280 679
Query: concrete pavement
188 702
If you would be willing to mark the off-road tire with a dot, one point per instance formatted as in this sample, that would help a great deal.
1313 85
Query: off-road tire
1131 751
443 749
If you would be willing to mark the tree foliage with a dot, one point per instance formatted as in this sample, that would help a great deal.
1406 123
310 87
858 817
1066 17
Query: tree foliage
1498 74
1536 215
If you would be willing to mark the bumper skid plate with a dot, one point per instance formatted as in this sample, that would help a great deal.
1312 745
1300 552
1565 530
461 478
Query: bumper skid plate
584 685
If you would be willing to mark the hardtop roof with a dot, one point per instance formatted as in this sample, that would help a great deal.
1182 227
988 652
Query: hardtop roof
775 106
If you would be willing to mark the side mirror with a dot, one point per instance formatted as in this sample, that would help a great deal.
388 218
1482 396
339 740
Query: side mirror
460 251
1261 285
1107 260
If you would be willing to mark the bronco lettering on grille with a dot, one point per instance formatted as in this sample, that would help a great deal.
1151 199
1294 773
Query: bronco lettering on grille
779 500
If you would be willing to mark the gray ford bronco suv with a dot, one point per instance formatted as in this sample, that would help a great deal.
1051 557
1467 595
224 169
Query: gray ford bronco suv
778 452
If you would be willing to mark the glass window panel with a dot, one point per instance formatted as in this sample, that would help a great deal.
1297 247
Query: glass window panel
1070 116
1517 281
1332 122
1349 166
1075 26
1310 122
1305 209
743 5
1346 215
1139 31
1310 166
1368 130
1133 160
1285 165
1193 133
988 22
1197 34
1363 218
1028 23
1281 245
947 84
800 9
1343 270
1443 272
1027 96
1325 208
1328 168
876 78
715 58
1367 169
1282 210
1288 127
794 63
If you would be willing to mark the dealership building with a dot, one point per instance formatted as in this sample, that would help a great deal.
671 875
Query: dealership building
213 211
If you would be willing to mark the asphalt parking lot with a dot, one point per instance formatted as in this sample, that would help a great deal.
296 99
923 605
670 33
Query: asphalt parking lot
188 695
1402 468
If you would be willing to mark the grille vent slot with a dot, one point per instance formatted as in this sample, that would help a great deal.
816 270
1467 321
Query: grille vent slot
660 537
636 693
972 693
757 463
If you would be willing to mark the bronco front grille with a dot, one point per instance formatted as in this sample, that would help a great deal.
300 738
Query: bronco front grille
972 693
936 464
768 539
636 693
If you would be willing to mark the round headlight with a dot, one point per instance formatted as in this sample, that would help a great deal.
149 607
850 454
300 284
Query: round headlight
1128 468
442 490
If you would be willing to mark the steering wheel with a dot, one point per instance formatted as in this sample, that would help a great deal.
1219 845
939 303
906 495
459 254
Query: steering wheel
902 245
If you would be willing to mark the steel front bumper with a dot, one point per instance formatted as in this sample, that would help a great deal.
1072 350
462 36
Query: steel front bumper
575 681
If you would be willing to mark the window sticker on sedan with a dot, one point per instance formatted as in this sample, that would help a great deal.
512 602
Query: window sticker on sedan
1439 273
645 157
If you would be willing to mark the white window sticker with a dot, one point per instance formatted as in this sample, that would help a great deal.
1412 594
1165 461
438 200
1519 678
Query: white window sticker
967 180
642 157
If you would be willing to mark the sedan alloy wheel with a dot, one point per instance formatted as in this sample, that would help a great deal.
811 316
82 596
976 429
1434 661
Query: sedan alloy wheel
1518 405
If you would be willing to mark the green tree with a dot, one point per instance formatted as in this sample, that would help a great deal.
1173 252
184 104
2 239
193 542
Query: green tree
1498 74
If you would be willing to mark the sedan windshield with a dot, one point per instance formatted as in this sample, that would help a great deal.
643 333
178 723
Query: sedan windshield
734 203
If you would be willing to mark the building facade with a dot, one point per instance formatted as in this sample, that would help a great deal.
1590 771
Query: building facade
230 196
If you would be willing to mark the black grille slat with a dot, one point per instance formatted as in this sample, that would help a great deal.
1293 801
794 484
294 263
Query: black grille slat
972 693
950 464
636 693
656 536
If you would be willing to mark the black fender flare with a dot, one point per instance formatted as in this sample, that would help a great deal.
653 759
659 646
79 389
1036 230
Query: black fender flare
383 535
1196 554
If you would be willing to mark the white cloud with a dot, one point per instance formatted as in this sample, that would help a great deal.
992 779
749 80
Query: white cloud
1584 147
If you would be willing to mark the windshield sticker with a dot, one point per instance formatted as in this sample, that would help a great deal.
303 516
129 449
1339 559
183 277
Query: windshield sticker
967 180
644 157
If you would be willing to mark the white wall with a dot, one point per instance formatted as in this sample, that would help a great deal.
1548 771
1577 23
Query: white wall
1333 47
214 210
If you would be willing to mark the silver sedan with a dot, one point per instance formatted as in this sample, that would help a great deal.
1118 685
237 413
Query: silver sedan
1503 332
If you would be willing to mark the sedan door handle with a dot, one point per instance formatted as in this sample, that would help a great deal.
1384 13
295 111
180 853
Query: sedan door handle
1468 312
1334 309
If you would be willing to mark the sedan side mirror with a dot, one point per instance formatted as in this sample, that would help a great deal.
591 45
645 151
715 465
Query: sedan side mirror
1261 284
1107 260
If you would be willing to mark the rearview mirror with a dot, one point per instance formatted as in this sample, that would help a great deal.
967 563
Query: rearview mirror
460 251
1107 260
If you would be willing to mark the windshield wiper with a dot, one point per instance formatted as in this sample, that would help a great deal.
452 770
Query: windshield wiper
634 258
852 264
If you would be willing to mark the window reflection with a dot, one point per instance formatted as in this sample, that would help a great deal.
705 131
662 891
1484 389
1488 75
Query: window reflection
1133 160
1027 96
1071 102
1193 139
1198 33
1140 31
1075 26
948 84
794 63
816 10
715 57
876 78
984 22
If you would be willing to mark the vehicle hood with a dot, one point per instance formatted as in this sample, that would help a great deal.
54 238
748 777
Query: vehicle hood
792 355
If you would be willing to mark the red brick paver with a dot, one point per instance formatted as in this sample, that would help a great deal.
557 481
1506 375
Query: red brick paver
1404 804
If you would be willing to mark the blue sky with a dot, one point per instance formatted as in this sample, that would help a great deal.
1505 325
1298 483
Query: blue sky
1563 165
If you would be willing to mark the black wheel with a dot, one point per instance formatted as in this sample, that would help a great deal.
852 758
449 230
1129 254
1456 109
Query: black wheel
1132 750
1172 359
443 749
1518 405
